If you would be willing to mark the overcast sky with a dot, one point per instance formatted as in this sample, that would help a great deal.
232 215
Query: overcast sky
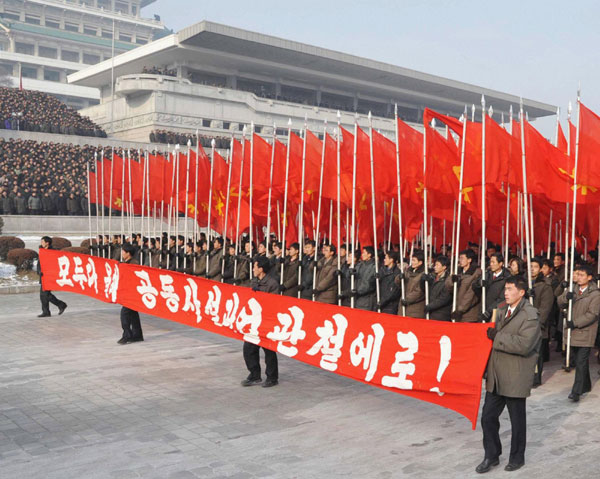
537 49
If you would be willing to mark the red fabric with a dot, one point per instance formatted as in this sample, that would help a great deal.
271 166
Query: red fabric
561 141
437 362
589 146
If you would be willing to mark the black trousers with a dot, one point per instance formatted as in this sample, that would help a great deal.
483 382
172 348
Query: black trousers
46 297
252 358
130 322
492 408
581 358
540 363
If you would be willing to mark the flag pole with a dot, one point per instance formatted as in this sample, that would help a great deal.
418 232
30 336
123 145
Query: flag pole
549 236
176 211
456 245
89 204
453 236
185 217
389 242
210 195
375 245
97 217
319 205
239 205
525 206
102 225
532 228
338 209
353 232
573 226
227 196
250 191
269 200
170 211
301 219
112 169
399 193
131 209
285 198
279 222
144 173
123 202
483 247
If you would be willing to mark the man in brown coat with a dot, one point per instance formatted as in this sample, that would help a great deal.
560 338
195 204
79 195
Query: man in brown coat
325 290
509 376
543 301
414 297
289 282
468 303
583 326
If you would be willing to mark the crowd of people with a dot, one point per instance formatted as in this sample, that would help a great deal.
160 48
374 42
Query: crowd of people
175 138
154 70
30 110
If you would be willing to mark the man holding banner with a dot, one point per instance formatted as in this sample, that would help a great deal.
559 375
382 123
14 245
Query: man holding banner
516 342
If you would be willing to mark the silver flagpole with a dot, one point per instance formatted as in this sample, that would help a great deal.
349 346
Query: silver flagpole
103 254
144 173
339 233
525 202
532 228
507 223
196 194
452 246
389 242
353 233
210 195
131 209
185 216
425 243
301 220
483 215
239 205
285 197
319 205
250 191
176 211
375 243
549 237
226 221
89 205
279 223
123 202
97 217
573 226
268 233
112 170
399 188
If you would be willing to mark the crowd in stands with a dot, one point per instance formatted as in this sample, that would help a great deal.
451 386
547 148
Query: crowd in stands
37 111
175 138
160 71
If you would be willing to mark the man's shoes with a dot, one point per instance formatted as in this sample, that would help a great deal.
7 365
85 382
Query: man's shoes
123 341
44 315
269 383
251 382
574 397
61 310
135 340
511 466
486 465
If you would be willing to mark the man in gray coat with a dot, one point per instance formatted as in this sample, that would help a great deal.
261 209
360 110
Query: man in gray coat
509 379
364 286
583 326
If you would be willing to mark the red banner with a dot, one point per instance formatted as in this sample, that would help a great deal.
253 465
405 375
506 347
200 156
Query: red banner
438 362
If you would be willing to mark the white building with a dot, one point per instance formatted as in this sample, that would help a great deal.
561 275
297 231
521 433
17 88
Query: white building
46 40
228 77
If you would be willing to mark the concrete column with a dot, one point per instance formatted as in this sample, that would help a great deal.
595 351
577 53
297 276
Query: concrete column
36 49
232 82
277 89
40 73
318 96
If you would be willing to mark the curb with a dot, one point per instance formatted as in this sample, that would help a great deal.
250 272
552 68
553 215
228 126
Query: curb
19 289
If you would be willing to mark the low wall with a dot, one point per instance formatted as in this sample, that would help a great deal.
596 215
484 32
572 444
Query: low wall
25 225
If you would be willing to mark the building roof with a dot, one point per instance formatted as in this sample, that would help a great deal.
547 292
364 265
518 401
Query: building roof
259 55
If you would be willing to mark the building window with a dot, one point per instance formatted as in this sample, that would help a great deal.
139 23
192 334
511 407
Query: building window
11 15
29 72
32 20
206 123
140 40
47 52
90 59
125 38
106 33
69 56
87 30
51 75
25 48
71 27
6 69
105 4
3 46
51 23
121 7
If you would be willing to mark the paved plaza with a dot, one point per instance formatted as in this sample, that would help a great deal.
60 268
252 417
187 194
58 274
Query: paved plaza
74 404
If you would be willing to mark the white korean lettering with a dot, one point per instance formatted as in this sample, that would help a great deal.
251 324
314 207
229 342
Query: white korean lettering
290 331
330 342
213 304
111 282
445 356
367 353
231 310
192 303
148 292
251 318
92 276
403 367
63 271
168 292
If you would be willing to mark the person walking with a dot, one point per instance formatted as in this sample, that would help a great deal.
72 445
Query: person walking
46 297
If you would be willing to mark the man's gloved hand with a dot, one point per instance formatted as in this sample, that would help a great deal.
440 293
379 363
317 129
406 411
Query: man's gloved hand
570 295
454 278
570 324
354 293
429 277
427 309
403 302
281 288
564 284
337 272
456 315
484 317
491 333
531 293
314 291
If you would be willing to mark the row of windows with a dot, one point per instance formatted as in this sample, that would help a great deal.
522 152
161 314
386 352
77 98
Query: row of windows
49 52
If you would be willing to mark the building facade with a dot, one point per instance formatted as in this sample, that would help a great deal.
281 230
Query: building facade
44 41
224 78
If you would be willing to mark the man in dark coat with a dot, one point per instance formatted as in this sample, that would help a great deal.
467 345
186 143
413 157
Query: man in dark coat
543 301
265 283
468 304
389 291
214 260
325 290
289 282
583 326
495 277
440 298
130 319
414 300
516 340
364 286
307 269
46 297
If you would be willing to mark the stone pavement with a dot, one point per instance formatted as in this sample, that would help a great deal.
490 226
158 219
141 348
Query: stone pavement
74 404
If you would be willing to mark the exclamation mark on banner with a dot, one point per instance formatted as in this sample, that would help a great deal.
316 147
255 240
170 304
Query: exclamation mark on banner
445 355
